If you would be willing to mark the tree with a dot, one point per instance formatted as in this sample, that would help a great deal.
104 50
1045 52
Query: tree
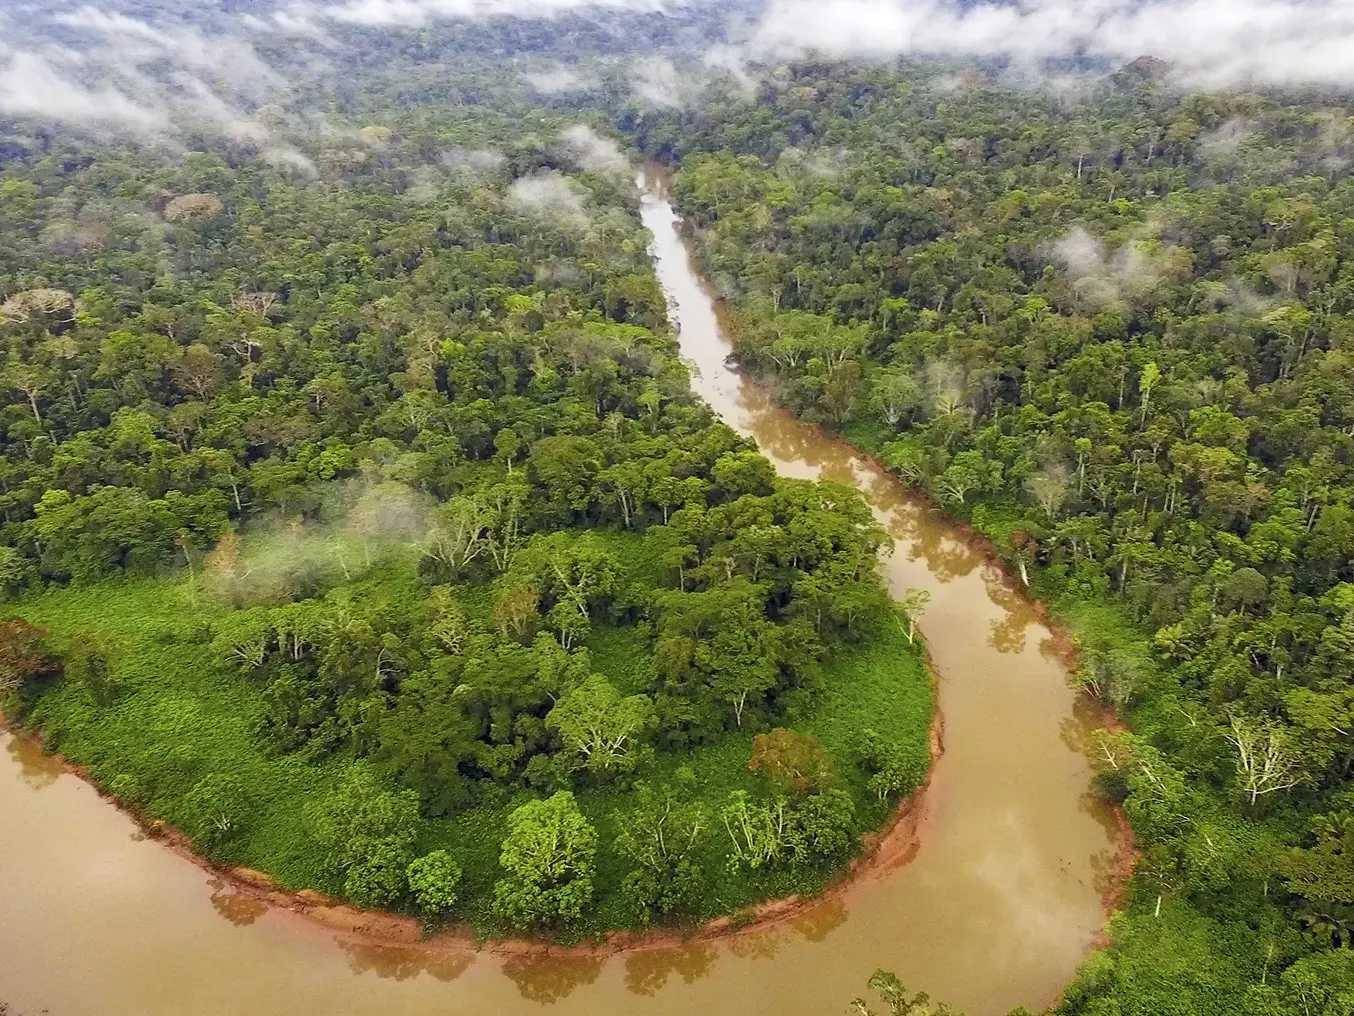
911 605
758 831
895 766
24 656
434 880
1267 761
367 833
215 809
32 381
548 856
659 834
791 761
897 1000
198 370
600 728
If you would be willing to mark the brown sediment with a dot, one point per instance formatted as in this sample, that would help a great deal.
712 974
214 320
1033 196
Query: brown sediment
1013 850
1061 643
880 851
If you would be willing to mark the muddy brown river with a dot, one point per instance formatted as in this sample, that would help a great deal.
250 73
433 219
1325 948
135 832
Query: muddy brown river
996 907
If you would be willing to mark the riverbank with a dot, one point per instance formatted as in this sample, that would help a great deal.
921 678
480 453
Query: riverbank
1004 848
762 414
893 844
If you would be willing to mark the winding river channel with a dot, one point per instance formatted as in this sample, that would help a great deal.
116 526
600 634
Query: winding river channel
995 907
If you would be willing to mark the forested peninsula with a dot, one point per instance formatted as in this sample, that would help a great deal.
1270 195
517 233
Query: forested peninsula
374 539
360 524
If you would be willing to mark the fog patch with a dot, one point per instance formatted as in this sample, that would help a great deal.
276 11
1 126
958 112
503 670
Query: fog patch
559 80
593 152
32 85
288 158
657 82
1225 141
550 195
1208 43
473 161
274 560
416 13
1105 279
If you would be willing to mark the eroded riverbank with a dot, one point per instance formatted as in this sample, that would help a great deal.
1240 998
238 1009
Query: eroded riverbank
991 901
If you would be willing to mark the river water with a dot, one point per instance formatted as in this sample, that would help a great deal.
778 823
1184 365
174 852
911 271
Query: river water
995 909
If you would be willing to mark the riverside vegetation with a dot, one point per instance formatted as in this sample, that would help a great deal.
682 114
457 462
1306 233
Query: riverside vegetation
369 534
357 518
1114 332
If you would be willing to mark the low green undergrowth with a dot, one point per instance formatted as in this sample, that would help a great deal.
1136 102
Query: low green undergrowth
175 713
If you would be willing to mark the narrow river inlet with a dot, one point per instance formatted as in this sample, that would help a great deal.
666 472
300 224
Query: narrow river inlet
995 908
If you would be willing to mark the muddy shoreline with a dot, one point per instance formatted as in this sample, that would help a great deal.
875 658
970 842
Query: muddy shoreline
934 816
893 844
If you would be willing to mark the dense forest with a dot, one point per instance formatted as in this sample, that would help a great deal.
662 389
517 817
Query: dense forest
357 518
1115 332
386 493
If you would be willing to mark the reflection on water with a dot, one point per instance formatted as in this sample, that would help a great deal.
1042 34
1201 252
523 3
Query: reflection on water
993 909
32 765
402 963
238 908
647 971
548 979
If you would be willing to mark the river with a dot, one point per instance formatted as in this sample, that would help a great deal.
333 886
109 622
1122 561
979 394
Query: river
996 908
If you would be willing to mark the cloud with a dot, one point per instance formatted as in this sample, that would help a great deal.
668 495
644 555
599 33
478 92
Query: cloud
551 195
1105 279
593 152
33 85
1227 139
473 161
287 157
657 81
559 79
1209 43
94 68
414 13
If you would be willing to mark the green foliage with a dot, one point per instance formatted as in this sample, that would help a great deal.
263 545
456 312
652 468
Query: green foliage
367 832
213 809
1161 452
339 471
434 880
806 830
24 655
896 767
660 834
897 1000
790 761
600 728
548 855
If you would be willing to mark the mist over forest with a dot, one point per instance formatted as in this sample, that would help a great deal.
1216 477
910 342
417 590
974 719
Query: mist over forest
373 515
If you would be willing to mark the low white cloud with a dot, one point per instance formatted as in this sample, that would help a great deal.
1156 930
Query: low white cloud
550 195
656 81
473 161
1103 278
378 13
34 85
559 79
288 157
592 151
1209 43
